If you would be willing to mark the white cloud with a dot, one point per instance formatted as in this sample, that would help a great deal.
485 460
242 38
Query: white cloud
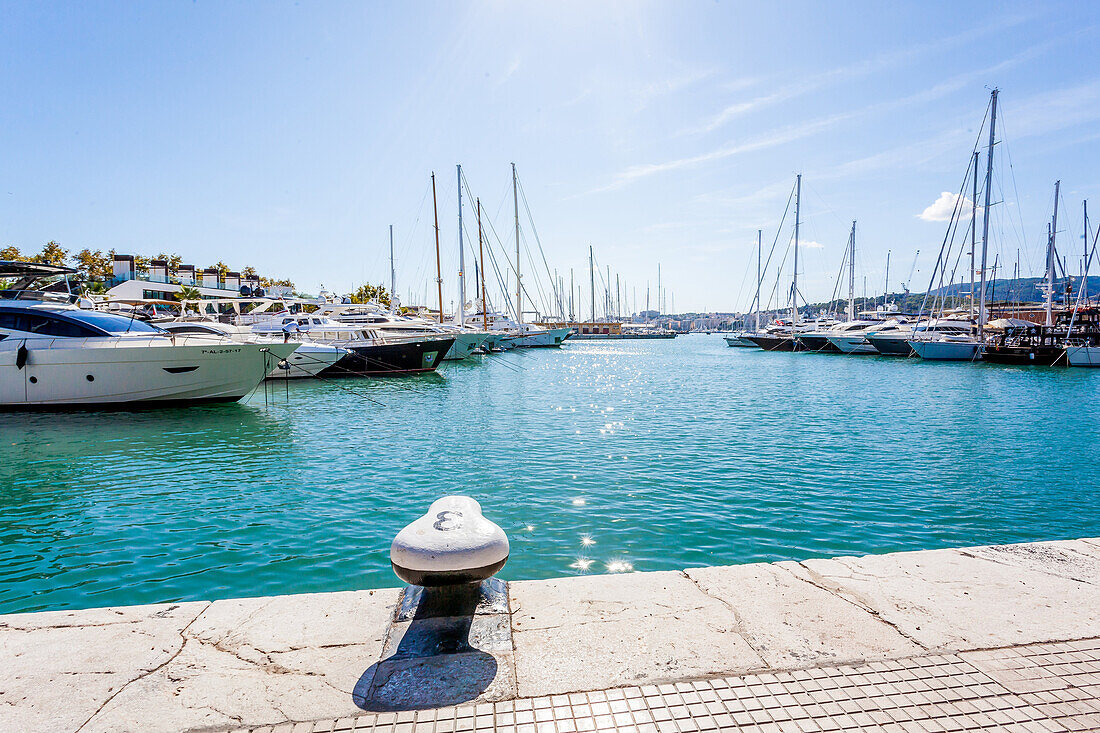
812 244
942 208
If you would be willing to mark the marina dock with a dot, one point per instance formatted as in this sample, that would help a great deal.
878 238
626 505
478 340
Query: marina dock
1002 637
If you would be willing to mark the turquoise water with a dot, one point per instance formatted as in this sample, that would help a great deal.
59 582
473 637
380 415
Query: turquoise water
663 454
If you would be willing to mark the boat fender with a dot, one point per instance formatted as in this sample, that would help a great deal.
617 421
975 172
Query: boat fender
452 544
21 356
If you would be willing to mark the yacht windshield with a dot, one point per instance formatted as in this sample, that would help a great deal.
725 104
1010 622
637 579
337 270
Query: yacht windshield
112 323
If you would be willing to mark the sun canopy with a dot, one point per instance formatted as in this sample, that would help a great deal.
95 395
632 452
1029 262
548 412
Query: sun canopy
9 268
1000 324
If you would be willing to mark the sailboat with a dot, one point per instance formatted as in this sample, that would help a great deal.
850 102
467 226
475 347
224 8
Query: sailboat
939 346
781 335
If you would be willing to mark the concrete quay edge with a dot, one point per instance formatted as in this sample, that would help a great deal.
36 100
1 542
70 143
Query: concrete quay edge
245 663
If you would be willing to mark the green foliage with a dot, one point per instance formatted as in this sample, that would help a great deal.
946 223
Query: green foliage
371 293
188 293
93 265
52 254
11 253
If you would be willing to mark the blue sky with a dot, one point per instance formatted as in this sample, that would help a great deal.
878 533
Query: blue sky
290 136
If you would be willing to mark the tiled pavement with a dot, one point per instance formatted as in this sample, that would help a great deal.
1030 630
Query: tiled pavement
1035 687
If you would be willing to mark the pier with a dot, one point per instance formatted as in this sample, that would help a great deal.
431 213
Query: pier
1003 637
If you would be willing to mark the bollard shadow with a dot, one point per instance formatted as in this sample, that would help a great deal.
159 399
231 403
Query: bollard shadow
437 653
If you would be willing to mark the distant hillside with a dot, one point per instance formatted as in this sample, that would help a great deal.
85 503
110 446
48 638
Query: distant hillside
1020 290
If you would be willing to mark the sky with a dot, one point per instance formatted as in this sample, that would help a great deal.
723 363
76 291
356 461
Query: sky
290 136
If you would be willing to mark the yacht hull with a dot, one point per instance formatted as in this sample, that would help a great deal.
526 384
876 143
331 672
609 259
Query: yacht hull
775 343
739 341
390 359
466 344
1026 355
816 342
947 350
852 345
889 346
551 337
1083 356
308 360
101 372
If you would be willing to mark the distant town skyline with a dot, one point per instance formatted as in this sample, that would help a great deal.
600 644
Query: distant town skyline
290 137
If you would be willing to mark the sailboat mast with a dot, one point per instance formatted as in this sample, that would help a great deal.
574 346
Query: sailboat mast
973 232
519 281
481 257
618 302
985 214
572 313
886 284
438 267
759 277
461 256
1051 256
660 310
1085 261
852 275
794 280
393 273
592 282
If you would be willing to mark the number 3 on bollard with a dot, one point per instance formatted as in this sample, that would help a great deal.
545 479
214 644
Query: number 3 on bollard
448 520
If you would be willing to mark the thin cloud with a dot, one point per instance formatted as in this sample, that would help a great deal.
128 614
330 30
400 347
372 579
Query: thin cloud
814 82
812 244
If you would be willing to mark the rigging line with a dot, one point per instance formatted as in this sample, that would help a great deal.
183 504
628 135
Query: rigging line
958 200
1019 211
775 241
531 219
1077 304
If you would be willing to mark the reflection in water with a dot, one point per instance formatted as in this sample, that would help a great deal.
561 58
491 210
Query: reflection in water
672 453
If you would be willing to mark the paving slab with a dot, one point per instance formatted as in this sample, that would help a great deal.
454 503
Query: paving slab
790 622
1073 559
259 660
952 599
59 667
581 633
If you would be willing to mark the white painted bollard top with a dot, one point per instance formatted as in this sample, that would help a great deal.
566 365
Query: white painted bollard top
451 544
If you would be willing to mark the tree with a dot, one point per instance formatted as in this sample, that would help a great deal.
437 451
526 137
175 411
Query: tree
52 254
222 268
94 265
188 293
11 253
369 293
248 272
174 261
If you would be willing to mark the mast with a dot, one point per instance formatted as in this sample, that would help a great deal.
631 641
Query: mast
592 282
481 257
794 281
660 310
1085 262
759 277
1051 257
461 257
973 232
647 302
886 289
438 270
618 301
572 313
852 275
607 295
393 273
985 213
519 281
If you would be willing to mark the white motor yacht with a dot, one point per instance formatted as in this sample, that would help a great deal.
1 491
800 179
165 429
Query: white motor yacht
468 341
308 360
368 353
851 337
56 355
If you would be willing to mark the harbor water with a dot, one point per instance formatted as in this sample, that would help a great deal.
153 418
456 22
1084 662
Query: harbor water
603 456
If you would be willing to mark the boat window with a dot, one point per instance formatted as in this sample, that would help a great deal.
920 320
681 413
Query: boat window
111 323
49 326
287 320
316 321
195 328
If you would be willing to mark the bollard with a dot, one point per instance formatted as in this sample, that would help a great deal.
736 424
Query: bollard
453 544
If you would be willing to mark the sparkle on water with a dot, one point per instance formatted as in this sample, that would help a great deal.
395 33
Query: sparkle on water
735 455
